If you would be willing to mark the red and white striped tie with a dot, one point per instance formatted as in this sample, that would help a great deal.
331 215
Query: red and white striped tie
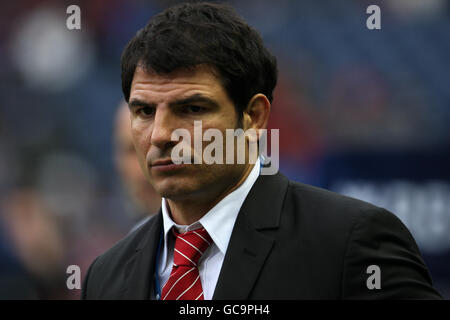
184 281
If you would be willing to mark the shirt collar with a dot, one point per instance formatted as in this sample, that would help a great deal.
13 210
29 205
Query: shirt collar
218 221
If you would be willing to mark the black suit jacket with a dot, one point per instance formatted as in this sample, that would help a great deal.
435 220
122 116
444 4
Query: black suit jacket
290 241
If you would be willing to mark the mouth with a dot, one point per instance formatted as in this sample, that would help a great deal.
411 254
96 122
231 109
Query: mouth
162 162
165 166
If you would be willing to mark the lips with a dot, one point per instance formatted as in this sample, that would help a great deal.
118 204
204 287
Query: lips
161 163
165 166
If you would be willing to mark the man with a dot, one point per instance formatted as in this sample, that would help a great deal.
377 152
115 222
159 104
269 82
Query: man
224 231
146 201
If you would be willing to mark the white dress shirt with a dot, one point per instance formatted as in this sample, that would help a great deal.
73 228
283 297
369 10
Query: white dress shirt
219 222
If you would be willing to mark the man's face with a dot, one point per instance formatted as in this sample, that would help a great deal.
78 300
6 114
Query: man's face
160 104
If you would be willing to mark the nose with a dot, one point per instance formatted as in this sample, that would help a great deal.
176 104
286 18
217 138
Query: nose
163 125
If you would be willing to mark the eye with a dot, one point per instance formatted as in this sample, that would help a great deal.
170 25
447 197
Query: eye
194 109
145 111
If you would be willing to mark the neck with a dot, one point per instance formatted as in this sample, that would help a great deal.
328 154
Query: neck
186 212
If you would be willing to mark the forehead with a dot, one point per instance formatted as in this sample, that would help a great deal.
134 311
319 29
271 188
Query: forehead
181 83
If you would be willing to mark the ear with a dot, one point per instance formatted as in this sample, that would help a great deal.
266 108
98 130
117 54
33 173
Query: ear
256 115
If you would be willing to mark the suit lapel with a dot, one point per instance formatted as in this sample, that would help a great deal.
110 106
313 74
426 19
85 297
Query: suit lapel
140 268
246 253
249 247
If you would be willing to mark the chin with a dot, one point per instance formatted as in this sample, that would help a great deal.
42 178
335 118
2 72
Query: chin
174 191
176 196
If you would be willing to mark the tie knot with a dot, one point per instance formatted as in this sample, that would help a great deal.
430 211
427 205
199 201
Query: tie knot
190 246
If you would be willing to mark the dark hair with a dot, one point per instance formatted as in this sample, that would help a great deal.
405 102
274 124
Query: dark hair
190 34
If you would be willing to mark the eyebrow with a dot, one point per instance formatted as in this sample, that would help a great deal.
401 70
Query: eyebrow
140 103
195 98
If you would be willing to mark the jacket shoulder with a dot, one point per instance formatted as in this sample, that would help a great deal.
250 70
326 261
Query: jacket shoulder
104 270
326 204
129 243
360 234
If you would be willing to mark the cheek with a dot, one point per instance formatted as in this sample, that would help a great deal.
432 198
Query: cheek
134 168
141 139
141 142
